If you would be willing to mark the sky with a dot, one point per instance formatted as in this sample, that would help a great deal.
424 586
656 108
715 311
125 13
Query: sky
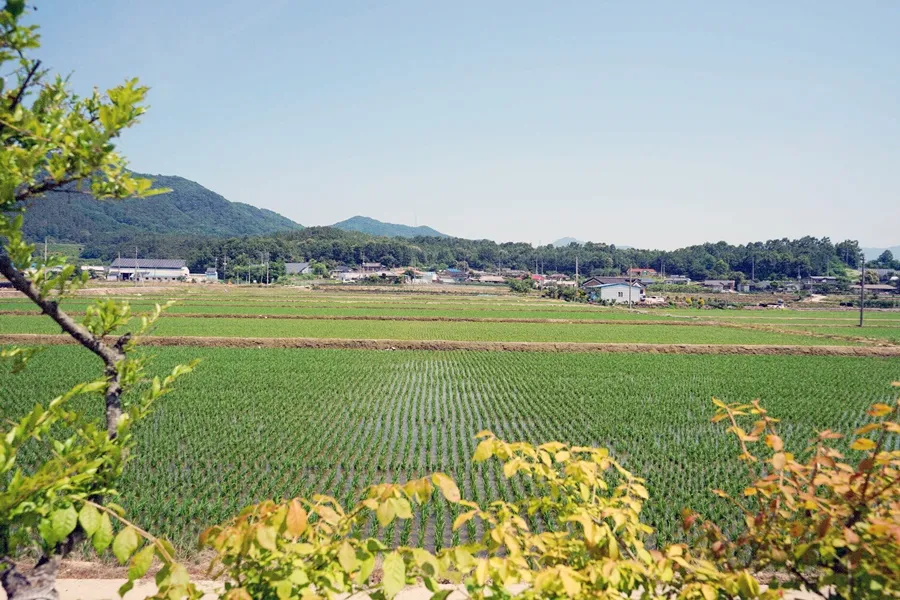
652 124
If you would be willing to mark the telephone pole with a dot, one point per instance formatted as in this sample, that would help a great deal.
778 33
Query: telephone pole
862 290
630 285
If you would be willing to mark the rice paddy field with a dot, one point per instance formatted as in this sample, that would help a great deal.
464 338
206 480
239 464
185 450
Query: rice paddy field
252 424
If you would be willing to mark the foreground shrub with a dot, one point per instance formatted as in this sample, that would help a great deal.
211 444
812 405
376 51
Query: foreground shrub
819 525
831 525
593 543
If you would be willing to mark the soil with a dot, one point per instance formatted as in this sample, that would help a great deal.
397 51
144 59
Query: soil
317 343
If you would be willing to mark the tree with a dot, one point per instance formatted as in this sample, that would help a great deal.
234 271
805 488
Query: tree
886 259
520 286
319 269
52 139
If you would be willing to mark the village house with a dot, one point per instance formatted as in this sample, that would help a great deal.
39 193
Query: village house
564 283
345 275
617 293
147 269
603 279
372 267
94 271
818 279
879 289
676 280
491 279
297 268
452 276
641 272
883 274
422 277
719 285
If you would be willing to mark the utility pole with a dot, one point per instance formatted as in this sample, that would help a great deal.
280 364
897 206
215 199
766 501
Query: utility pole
45 250
136 273
862 291
630 285
753 268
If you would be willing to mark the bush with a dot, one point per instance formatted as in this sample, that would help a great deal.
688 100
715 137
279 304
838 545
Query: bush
520 286
822 524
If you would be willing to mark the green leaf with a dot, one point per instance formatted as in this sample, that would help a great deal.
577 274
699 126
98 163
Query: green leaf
89 518
442 594
63 522
748 585
265 536
141 562
125 544
347 557
283 589
366 566
401 508
394 575
104 535
385 513
15 7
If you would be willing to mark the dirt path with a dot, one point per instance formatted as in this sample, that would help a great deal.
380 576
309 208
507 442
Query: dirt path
313 343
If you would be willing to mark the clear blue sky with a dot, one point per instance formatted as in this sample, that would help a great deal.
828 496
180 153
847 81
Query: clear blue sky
652 124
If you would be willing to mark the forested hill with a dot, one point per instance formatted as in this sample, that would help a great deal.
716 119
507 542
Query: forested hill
380 228
774 259
190 208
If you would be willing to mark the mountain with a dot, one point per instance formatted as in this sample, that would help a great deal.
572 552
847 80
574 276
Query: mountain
74 216
563 242
873 253
375 227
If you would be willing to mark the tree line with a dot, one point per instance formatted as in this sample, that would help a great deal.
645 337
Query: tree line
773 259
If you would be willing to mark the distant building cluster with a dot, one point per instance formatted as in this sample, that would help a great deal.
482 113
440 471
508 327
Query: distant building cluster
628 288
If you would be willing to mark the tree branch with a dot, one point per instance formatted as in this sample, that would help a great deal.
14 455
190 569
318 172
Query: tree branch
45 186
110 355
21 93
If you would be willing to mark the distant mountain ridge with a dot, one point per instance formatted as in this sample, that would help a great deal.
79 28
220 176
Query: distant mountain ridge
372 226
74 216
873 253
562 242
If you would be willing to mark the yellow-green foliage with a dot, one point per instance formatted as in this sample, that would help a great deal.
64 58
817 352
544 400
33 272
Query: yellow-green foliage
825 525
597 547
829 521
